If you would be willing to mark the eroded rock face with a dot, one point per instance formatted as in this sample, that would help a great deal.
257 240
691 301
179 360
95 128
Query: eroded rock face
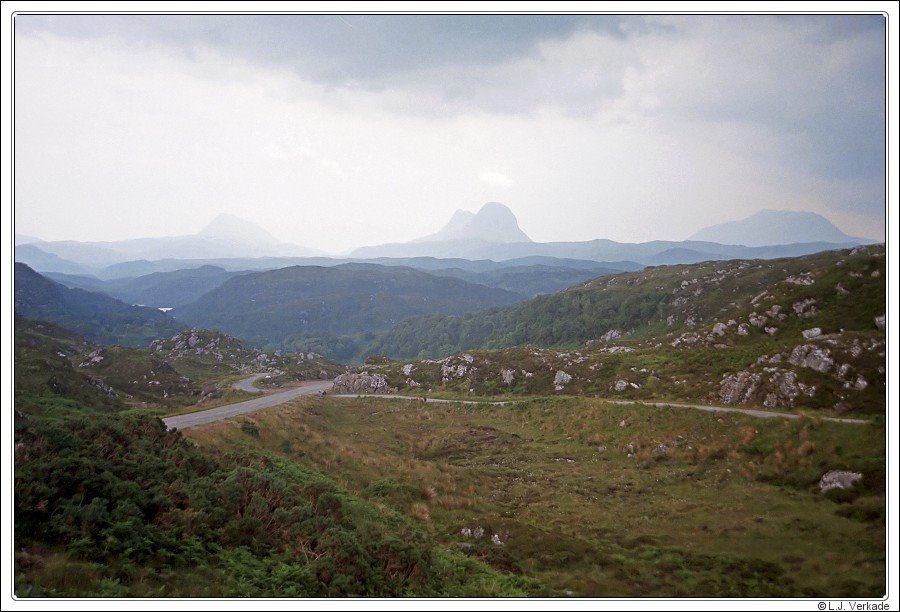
814 357
785 388
360 383
838 479
738 388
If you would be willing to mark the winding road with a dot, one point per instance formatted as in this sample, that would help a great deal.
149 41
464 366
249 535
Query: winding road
247 384
314 387
183 421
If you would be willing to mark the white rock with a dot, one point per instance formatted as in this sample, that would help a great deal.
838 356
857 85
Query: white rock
814 332
561 379
838 479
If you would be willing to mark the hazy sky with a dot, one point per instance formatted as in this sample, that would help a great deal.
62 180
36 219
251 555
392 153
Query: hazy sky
340 131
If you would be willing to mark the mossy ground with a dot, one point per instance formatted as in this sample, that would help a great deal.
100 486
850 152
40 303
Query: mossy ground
707 505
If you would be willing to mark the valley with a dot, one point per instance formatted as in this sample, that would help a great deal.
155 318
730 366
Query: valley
659 432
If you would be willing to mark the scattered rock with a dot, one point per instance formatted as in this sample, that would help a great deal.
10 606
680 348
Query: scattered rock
810 356
805 307
757 320
561 380
613 334
879 322
620 385
670 320
838 479
743 329
804 278
408 369
815 332
719 329
92 359
507 376
785 388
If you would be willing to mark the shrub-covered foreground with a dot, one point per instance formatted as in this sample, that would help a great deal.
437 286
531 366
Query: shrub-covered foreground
113 504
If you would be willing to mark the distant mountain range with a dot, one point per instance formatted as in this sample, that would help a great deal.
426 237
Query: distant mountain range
490 235
494 234
770 227
225 236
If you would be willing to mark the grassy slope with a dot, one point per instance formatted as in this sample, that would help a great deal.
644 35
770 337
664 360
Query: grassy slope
669 349
642 302
708 505
98 317
311 301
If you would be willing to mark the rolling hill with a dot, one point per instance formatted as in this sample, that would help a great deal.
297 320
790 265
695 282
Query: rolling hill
807 331
159 289
98 317
291 306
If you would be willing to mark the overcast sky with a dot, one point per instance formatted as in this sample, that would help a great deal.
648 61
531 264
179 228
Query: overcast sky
341 131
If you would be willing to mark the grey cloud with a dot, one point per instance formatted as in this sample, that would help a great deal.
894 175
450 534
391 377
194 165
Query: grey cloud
339 49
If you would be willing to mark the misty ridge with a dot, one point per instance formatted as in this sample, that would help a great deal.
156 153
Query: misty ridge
235 276
438 334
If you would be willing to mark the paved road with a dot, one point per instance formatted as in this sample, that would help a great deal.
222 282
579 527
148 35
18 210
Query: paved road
313 387
246 384
763 414
183 421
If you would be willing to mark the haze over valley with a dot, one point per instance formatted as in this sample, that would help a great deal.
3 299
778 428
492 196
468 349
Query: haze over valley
450 306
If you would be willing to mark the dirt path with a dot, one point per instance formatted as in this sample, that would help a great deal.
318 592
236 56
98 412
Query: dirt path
763 414
183 421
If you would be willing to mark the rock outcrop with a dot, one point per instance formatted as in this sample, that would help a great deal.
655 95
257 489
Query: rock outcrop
360 383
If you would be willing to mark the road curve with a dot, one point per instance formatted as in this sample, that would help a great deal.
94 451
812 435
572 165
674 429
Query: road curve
184 421
246 384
